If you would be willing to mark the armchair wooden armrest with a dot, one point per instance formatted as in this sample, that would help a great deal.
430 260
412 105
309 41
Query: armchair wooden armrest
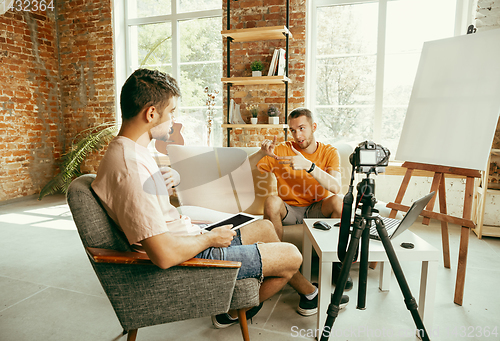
119 257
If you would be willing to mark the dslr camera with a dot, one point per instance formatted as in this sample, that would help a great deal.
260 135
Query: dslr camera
369 157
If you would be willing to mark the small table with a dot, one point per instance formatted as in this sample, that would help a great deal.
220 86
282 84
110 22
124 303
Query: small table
325 245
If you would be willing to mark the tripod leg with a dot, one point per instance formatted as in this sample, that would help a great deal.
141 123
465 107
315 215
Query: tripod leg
333 308
410 301
363 269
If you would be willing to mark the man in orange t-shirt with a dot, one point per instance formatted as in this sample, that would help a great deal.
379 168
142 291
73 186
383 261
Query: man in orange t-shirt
308 177
307 173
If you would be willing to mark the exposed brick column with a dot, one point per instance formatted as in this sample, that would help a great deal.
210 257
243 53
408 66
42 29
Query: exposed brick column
87 71
56 79
31 125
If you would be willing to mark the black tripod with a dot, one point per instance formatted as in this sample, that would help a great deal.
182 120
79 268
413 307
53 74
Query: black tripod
361 229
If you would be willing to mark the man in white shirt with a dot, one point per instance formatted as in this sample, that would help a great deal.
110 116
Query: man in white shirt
133 191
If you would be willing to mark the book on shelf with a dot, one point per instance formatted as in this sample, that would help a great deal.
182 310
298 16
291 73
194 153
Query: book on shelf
235 113
281 62
278 63
274 62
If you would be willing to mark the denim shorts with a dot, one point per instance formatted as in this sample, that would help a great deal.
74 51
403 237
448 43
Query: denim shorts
296 214
248 255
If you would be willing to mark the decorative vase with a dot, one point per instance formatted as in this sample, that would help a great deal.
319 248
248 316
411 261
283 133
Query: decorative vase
253 120
256 73
274 120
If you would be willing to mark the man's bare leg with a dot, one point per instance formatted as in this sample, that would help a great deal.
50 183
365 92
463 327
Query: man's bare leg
275 211
275 257
332 206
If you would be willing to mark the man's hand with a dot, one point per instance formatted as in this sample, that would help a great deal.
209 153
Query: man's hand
268 146
221 236
171 178
297 162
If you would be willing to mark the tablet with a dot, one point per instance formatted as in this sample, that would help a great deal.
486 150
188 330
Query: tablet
238 220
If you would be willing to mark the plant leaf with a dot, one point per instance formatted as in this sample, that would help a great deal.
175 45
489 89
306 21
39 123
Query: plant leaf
88 141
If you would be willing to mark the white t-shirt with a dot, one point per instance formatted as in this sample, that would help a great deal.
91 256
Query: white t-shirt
133 192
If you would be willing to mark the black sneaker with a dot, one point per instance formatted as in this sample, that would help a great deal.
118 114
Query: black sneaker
310 307
225 320
335 275
253 311
344 301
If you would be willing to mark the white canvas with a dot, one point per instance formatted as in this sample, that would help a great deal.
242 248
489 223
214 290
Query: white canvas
455 102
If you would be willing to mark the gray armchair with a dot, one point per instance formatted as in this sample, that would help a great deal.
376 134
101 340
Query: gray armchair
141 293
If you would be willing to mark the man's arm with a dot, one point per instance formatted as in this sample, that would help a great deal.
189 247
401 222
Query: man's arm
331 180
266 149
166 250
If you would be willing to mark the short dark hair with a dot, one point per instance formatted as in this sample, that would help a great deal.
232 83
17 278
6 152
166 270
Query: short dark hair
301 112
145 88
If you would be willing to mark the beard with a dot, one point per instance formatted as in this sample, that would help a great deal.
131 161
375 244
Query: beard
161 131
305 144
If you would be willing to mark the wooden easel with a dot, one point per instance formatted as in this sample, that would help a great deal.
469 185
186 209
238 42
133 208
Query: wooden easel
438 185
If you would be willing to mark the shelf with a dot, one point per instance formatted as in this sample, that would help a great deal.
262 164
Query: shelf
256 80
258 33
487 231
256 126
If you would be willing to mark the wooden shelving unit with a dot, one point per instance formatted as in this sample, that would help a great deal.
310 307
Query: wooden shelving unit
256 126
256 80
256 34
480 198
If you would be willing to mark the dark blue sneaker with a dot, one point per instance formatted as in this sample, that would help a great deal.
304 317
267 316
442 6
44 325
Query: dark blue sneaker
225 320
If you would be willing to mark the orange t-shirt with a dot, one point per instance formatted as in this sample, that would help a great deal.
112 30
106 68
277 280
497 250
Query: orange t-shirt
297 187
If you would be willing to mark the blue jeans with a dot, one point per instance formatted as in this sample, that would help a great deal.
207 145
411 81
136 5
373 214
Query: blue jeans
248 255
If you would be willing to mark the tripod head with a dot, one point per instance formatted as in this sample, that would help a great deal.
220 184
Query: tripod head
366 196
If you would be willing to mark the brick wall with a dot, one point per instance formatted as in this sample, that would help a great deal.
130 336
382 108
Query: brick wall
56 78
87 72
31 128
260 13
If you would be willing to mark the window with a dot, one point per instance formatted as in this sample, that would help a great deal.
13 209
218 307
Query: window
182 38
363 61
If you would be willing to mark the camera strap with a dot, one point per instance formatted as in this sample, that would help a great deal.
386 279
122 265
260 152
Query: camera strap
345 220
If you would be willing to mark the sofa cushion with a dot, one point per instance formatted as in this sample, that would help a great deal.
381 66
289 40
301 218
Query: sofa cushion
220 179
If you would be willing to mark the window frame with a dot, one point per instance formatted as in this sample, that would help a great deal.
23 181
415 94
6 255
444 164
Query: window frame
123 48
463 16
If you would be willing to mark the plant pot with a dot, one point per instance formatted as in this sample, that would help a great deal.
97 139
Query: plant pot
253 120
256 73
274 120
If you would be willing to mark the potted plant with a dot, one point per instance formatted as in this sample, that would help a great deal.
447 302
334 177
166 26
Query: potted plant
274 114
257 68
254 111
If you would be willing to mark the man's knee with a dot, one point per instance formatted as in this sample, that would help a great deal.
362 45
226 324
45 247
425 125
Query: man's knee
280 259
332 205
273 204
291 259
294 257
